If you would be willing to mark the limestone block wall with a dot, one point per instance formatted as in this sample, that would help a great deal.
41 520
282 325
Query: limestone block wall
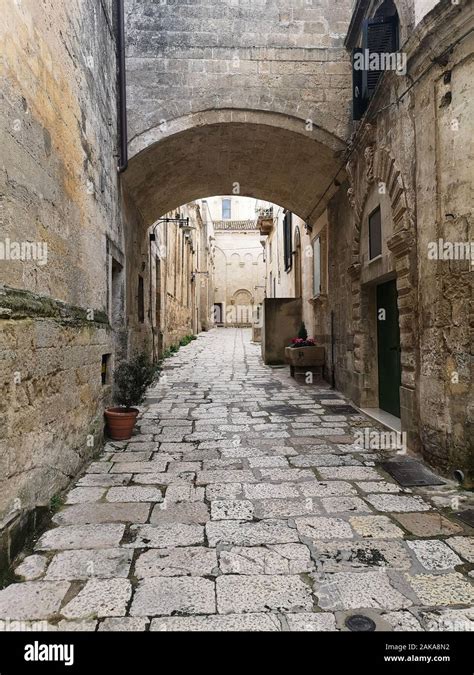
173 274
286 57
59 200
444 123
415 154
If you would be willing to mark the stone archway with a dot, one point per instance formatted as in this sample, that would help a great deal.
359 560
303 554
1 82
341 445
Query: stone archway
376 167
242 306
252 153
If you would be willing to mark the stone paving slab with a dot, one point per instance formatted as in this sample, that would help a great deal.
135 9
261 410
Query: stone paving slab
99 598
177 562
81 536
358 590
32 567
277 559
306 622
241 503
315 528
335 556
32 600
180 512
250 534
104 480
280 593
434 555
216 624
165 596
165 535
126 624
84 564
103 513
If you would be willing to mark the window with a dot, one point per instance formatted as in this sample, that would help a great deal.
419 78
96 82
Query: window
317 266
380 42
226 209
104 373
141 299
375 233
116 295
287 240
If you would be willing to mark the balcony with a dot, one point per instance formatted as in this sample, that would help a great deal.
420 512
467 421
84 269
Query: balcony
265 220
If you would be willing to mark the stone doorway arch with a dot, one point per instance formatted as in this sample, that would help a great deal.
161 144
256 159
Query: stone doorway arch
376 167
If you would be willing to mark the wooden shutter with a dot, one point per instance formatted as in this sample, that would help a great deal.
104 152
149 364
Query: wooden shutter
359 103
287 232
381 37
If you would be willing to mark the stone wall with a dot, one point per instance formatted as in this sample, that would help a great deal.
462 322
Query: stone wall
176 270
284 56
282 320
59 198
221 91
407 158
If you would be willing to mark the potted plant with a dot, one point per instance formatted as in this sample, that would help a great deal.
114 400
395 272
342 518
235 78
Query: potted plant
132 379
303 351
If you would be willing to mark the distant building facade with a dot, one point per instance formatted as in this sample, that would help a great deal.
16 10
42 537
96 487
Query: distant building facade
238 259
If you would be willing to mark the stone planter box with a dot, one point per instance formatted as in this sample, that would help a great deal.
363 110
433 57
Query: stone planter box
305 356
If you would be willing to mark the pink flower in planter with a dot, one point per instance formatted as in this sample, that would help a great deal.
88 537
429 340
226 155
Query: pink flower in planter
299 342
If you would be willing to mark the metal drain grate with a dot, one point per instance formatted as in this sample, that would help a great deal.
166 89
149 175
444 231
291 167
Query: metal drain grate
411 473
359 623
342 409
466 516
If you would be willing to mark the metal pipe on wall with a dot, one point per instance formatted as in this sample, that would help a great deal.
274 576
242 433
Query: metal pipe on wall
122 87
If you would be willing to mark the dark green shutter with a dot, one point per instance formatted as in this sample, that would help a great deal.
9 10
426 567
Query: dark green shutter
380 36
359 103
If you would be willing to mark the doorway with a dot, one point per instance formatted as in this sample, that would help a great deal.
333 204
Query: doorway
388 348
218 318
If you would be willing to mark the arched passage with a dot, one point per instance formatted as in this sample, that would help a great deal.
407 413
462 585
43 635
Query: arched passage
253 153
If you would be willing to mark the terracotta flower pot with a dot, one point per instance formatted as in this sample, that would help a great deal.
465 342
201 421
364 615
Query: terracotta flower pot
120 422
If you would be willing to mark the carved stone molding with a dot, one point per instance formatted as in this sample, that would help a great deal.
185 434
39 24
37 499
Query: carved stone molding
354 270
401 243
369 162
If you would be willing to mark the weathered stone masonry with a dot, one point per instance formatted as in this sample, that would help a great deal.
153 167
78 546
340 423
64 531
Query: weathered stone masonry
416 150
59 186
221 94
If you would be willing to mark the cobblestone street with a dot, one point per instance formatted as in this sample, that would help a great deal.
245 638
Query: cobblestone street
243 503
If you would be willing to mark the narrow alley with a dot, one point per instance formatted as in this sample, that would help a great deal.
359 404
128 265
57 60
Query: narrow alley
243 502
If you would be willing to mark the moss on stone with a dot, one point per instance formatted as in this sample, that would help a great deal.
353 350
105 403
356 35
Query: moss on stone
22 304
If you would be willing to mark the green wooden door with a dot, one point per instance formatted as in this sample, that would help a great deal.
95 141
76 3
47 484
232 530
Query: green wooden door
388 346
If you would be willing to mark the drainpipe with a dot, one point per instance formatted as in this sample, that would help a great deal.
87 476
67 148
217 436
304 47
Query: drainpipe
122 87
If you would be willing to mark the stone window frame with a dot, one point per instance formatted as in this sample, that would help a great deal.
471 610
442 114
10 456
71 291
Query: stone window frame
288 241
323 266
371 240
